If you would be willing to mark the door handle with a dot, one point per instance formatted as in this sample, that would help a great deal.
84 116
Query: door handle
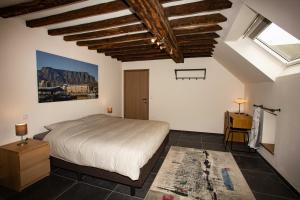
144 100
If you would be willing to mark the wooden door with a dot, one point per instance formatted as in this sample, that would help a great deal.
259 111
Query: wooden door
136 94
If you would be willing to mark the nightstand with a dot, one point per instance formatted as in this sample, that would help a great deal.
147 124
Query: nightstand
21 166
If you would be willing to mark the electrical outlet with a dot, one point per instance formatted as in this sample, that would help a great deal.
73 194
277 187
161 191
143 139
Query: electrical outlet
25 117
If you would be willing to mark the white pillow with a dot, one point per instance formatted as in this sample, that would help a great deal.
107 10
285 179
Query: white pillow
56 125
94 117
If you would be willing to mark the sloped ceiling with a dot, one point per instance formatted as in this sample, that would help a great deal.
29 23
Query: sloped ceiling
238 65
283 13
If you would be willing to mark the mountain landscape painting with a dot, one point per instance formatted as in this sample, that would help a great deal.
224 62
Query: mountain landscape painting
64 79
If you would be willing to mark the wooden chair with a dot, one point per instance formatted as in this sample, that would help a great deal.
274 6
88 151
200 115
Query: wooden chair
230 131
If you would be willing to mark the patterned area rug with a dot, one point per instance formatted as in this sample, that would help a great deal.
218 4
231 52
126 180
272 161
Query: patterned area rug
199 174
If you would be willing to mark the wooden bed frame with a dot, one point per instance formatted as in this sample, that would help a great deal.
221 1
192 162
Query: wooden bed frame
111 176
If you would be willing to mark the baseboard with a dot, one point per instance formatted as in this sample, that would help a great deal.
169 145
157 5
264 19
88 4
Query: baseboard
196 132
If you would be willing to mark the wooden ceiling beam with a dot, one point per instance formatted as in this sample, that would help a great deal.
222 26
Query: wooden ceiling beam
153 51
197 36
120 39
153 16
197 7
89 11
187 51
196 47
195 30
33 6
197 42
138 27
157 57
143 59
127 19
148 47
171 11
140 55
135 48
143 37
206 51
167 1
147 42
135 28
203 20
196 55
121 45
106 32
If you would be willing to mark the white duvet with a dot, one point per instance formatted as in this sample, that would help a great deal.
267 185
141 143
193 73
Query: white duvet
110 143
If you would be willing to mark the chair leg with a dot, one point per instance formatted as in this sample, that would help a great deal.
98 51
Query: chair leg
231 141
227 138
224 138
132 191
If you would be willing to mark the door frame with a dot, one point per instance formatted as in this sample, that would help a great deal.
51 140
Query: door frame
124 85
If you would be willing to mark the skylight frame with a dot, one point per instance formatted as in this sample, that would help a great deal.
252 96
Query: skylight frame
275 53
257 30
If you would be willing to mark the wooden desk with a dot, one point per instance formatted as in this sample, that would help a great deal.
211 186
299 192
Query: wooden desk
239 121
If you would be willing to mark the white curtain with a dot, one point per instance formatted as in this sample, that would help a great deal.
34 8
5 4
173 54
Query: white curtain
255 134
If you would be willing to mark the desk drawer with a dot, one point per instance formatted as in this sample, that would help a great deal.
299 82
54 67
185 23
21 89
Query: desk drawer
34 173
243 123
34 157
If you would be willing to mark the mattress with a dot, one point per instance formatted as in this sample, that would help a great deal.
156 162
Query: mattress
110 143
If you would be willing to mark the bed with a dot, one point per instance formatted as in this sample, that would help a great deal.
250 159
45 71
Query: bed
112 148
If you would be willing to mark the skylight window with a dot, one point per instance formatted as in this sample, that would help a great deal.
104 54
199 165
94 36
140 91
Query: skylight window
279 43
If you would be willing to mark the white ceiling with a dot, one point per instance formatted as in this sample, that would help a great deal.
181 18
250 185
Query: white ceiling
229 13
238 65
227 56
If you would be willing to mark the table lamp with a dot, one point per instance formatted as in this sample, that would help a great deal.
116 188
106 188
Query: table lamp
21 130
240 101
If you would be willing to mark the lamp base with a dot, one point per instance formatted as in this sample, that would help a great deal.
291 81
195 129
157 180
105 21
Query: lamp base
239 113
22 142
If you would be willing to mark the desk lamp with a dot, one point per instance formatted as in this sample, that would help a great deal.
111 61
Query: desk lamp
240 101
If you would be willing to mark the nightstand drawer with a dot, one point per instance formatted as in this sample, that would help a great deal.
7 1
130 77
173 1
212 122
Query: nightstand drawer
31 158
34 173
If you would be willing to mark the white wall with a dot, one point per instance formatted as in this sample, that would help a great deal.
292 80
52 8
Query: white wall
193 105
284 94
18 80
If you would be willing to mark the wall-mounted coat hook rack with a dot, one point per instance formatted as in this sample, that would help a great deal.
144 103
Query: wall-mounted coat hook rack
190 74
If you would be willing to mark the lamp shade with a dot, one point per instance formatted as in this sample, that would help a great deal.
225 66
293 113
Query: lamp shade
21 129
240 101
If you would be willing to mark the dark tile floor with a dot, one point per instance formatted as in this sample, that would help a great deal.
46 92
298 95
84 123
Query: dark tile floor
63 184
